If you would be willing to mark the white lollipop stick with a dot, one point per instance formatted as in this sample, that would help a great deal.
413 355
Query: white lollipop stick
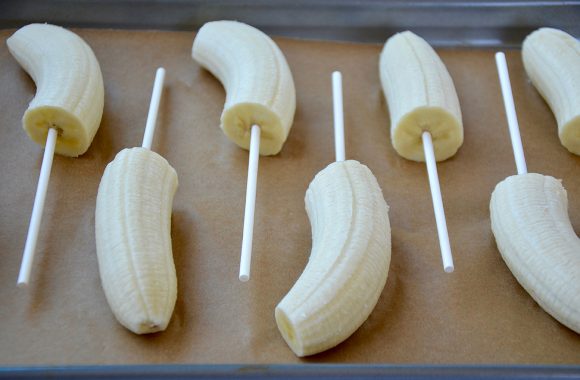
153 108
510 111
248 233
338 116
437 203
37 209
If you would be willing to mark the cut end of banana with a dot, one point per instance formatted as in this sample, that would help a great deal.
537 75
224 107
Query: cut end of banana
70 92
349 262
442 125
570 135
238 120
288 332
552 61
421 97
72 139
529 219
258 82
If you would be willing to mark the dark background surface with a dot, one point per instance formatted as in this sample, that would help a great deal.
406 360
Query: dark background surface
441 23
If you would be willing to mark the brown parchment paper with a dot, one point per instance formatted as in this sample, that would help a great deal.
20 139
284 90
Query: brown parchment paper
479 314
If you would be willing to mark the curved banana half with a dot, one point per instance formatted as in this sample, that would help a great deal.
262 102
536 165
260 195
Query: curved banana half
70 92
552 60
529 218
258 82
133 236
421 97
349 262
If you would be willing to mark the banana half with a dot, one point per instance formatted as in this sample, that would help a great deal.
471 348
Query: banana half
258 82
133 236
70 92
552 61
421 97
349 262
529 218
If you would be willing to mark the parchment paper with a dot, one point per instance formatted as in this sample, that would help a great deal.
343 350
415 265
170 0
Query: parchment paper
479 314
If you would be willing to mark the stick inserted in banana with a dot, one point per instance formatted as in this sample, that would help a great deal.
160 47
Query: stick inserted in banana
260 100
133 232
425 115
351 253
529 219
66 111
552 60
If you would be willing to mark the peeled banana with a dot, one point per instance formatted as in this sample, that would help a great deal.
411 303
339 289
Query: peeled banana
133 236
552 60
529 218
258 82
349 262
421 97
70 92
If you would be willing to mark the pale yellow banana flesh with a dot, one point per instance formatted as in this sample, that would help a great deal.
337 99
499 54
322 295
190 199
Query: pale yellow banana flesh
258 82
552 61
70 92
133 236
529 219
421 97
349 262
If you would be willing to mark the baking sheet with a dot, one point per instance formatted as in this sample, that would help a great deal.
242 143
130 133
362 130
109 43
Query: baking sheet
477 315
